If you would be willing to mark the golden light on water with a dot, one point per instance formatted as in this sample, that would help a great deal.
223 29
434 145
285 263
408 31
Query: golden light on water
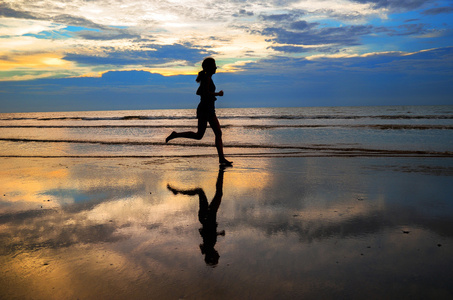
114 228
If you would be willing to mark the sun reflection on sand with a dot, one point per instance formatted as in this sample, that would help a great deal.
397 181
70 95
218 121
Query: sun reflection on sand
115 229
26 182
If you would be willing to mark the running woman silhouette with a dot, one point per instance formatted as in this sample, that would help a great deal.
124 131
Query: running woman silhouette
206 110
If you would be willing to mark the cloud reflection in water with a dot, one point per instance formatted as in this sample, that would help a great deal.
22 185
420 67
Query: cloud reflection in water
294 227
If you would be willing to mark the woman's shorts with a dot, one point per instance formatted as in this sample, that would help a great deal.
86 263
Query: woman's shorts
205 111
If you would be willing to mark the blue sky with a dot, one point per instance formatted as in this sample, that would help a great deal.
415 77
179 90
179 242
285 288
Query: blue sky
118 54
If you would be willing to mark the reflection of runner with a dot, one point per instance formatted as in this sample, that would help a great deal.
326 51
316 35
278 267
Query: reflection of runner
207 215
206 110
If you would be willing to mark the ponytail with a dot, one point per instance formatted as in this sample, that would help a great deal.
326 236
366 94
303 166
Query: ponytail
200 76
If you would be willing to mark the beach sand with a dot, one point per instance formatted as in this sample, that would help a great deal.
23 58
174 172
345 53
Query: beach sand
288 228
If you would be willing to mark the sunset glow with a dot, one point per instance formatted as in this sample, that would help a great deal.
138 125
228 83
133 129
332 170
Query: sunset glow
50 39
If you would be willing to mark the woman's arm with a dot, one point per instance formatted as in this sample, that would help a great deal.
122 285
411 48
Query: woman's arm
209 88
205 89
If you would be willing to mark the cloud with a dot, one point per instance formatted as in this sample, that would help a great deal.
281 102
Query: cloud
243 13
435 62
291 49
303 25
170 36
438 10
396 4
409 29
66 19
346 36
390 78
8 12
278 17
159 54
288 31
288 36
71 20
105 35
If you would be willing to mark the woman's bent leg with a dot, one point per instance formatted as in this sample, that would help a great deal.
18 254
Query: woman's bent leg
202 124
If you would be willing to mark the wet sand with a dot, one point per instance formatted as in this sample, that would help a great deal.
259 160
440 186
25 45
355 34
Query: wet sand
268 228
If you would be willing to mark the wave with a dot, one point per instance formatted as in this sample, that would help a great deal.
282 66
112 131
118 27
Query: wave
250 117
344 117
123 118
99 126
405 127
253 126
290 150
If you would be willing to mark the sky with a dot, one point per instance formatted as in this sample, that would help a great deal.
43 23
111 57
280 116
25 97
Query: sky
75 55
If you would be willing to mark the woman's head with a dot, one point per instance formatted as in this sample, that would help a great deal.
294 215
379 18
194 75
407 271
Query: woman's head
209 68
209 65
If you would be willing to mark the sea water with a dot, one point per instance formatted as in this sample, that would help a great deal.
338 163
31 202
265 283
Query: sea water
297 219
304 131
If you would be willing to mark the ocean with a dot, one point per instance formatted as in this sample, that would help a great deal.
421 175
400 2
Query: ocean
283 132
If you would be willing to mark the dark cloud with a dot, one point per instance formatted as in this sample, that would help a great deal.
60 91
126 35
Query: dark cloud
71 20
396 4
132 77
304 33
243 13
291 49
339 15
408 29
347 35
278 17
161 54
65 19
438 10
411 20
292 16
299 49
290 29
8 12
111 34
303 25
103 33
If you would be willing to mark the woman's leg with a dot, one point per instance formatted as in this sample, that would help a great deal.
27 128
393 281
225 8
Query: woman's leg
215 125
202 124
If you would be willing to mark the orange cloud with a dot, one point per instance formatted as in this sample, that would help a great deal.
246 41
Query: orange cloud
34 61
